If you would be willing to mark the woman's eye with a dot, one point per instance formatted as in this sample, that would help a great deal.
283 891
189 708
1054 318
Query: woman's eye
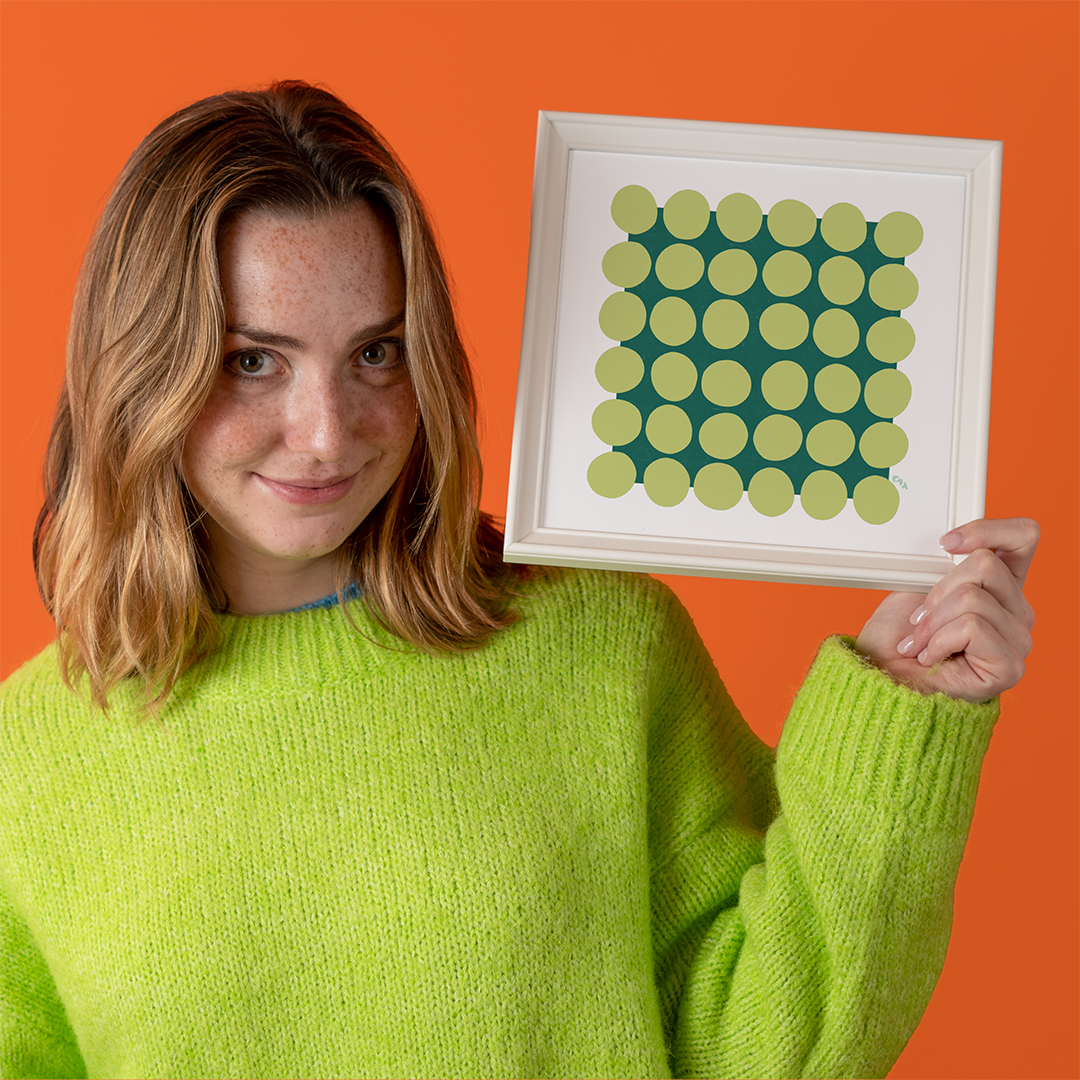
250 362
380 354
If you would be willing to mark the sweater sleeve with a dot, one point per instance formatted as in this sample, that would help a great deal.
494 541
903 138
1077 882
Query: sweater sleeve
809 947
35 1036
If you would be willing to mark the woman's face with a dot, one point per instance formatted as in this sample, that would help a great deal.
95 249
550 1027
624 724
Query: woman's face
313 414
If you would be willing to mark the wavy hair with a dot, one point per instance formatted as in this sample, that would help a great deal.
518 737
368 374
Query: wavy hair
119 554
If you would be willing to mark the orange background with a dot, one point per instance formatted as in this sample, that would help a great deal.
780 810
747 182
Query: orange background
455 86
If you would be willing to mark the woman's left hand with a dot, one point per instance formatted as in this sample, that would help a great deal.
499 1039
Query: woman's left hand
969 635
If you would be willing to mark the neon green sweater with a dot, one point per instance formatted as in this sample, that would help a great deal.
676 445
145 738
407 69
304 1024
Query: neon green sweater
544 858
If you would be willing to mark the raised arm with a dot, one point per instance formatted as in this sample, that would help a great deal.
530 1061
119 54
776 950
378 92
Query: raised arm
821 958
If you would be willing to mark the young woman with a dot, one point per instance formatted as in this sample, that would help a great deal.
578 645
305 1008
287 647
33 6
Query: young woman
313 784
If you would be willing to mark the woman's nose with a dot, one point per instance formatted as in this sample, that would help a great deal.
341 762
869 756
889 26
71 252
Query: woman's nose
319 418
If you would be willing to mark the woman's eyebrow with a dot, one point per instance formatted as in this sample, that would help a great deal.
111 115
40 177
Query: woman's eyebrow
284 341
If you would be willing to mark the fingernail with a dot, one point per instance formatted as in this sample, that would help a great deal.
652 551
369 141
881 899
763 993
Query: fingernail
918 616
905 645
952 540
922 656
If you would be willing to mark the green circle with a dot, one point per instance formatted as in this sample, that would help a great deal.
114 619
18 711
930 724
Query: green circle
893 287
738 217
771 492
633 209
792 223
619 369
841 280
686 214
784 385
898 234
726 383
674 376
622 316
679 266
823 495
784 326
612 474
836 333
733 271
725 324
777 437
830 443
723 435
876 500
626 264
672 321
666 482
786 273
883 445
843 227
718 486
890 340
887 393
837 388
616 421
669 429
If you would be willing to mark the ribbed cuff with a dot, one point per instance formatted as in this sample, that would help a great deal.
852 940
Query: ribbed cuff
856 737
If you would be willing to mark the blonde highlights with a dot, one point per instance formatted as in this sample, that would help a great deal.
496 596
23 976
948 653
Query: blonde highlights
118 551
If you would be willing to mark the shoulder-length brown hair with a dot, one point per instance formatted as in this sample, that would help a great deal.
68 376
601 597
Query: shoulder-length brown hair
118 550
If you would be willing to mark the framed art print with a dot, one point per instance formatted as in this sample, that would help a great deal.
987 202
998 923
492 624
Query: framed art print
754 352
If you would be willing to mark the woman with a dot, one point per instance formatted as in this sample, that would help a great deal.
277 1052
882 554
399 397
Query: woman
402 810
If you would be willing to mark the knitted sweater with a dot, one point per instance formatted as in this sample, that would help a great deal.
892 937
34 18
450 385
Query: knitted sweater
336 856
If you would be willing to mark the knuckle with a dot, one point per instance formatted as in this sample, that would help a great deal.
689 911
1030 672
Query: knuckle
968 593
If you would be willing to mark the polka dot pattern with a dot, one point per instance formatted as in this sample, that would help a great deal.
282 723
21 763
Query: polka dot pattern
686 214
674 376
841 280
619 369
755 353
673 321
725 324
633 209
738 217
784 385
669 429
622 316
823 494
627 264
612 475
666 482
723 435
843 227
679 266
786 273
726 383
732 271
837 388
718 486
792 223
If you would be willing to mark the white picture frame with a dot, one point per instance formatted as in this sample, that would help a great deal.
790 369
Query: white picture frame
561 513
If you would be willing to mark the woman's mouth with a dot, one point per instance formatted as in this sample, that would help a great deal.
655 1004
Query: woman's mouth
305 492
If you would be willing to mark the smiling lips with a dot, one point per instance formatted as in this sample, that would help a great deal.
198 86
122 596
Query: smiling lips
308 492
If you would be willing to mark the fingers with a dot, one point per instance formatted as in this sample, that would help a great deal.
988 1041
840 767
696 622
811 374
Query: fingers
970 619
977 616
984 570
1013 540
987 660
